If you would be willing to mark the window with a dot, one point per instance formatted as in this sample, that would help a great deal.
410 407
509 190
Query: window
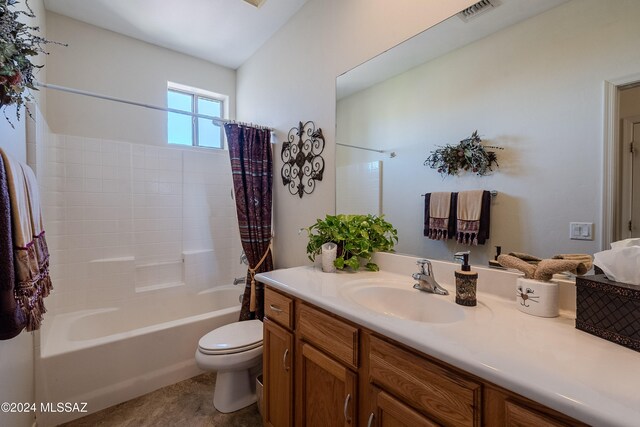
193 129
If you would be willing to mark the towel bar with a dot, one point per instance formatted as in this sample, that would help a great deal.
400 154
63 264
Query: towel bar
493 193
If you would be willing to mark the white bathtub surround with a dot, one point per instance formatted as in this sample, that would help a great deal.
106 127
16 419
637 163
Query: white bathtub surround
110 355
109 200
544 359
143 241
536 297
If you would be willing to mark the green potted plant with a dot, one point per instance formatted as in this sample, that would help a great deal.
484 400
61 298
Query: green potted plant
18 43
357 237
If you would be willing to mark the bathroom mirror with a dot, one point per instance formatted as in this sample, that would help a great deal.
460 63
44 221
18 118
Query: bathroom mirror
529 76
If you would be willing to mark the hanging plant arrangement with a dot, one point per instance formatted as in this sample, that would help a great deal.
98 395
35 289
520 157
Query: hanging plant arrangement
468 155
18 44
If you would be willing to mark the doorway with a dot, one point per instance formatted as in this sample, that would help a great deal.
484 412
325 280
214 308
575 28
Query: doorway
629 152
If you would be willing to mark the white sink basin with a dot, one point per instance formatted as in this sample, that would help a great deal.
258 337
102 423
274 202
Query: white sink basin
400 300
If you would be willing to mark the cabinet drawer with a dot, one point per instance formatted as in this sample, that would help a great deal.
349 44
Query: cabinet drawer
520 416
445 396
278 308
336 338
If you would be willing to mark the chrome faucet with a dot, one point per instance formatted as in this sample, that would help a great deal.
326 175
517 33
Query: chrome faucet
426 280
239 280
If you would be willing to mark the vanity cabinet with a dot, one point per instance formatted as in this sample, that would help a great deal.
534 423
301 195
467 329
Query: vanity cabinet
327 390
278 360
388 411
326 372
445 396
346 375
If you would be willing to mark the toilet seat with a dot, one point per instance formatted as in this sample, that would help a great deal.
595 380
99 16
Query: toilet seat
233 338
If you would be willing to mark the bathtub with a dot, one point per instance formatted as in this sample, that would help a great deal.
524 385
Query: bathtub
109 355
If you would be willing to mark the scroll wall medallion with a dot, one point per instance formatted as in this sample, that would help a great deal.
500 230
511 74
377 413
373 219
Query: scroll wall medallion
303 163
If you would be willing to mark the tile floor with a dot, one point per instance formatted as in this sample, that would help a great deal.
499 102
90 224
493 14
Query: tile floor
188 403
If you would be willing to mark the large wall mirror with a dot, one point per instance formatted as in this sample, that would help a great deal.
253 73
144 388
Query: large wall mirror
529 76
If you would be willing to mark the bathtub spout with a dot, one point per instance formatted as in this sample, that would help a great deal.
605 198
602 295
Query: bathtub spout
239 280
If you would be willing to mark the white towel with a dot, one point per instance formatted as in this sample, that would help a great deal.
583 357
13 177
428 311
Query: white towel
439 211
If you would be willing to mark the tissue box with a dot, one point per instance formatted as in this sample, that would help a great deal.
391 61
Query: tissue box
609 310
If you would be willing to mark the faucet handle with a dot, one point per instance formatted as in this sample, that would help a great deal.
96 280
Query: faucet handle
421 262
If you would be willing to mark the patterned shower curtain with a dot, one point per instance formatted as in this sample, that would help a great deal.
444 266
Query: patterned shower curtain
251 166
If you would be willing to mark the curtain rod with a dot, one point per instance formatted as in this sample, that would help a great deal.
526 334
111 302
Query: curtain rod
141 104
391 154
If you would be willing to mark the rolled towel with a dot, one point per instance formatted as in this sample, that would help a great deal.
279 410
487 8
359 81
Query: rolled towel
586 259
526 257
510 261
548 267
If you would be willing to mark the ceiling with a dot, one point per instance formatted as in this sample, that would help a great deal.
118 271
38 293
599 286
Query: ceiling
438 40
225 32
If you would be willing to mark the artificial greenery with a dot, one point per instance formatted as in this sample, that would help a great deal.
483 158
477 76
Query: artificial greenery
18 43
357 237
469 154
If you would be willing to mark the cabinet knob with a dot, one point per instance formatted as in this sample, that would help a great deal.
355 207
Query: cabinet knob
284 360
347 418
370 422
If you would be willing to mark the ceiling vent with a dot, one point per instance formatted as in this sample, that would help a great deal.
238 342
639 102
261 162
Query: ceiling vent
478 9
256 3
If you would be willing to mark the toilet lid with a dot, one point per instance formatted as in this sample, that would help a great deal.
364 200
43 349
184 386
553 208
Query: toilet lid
232 338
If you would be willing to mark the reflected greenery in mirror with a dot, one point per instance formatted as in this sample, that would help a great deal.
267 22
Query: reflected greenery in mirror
468 155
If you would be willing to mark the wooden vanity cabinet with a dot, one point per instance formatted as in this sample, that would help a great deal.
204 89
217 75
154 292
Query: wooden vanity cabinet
278 360
387 411
326 371
505 408
326 392
345 375
445 396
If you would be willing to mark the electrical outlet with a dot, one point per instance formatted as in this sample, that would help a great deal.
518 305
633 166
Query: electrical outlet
581 230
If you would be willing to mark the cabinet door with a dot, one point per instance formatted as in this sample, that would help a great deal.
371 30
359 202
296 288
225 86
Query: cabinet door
278 376
390 412
327 393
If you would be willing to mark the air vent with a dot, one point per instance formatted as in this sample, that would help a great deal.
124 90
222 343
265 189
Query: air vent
478 9
256 3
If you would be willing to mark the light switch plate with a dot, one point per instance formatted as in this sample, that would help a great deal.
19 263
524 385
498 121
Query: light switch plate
581 230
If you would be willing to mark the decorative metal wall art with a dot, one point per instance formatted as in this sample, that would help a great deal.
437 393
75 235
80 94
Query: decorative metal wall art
303 165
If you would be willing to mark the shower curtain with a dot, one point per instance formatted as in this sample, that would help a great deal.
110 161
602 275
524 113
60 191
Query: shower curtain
251 167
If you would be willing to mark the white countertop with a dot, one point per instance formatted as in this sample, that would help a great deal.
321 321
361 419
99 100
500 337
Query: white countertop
546 360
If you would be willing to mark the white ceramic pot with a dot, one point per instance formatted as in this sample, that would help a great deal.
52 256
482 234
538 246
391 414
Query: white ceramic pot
537 298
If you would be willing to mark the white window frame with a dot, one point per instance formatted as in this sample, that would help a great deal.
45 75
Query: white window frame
195 94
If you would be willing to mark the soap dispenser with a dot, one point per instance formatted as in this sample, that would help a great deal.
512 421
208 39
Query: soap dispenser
466 281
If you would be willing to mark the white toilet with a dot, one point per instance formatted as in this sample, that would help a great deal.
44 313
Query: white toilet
235 352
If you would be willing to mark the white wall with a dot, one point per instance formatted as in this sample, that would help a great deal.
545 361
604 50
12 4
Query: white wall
292 78
536 90
107 63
